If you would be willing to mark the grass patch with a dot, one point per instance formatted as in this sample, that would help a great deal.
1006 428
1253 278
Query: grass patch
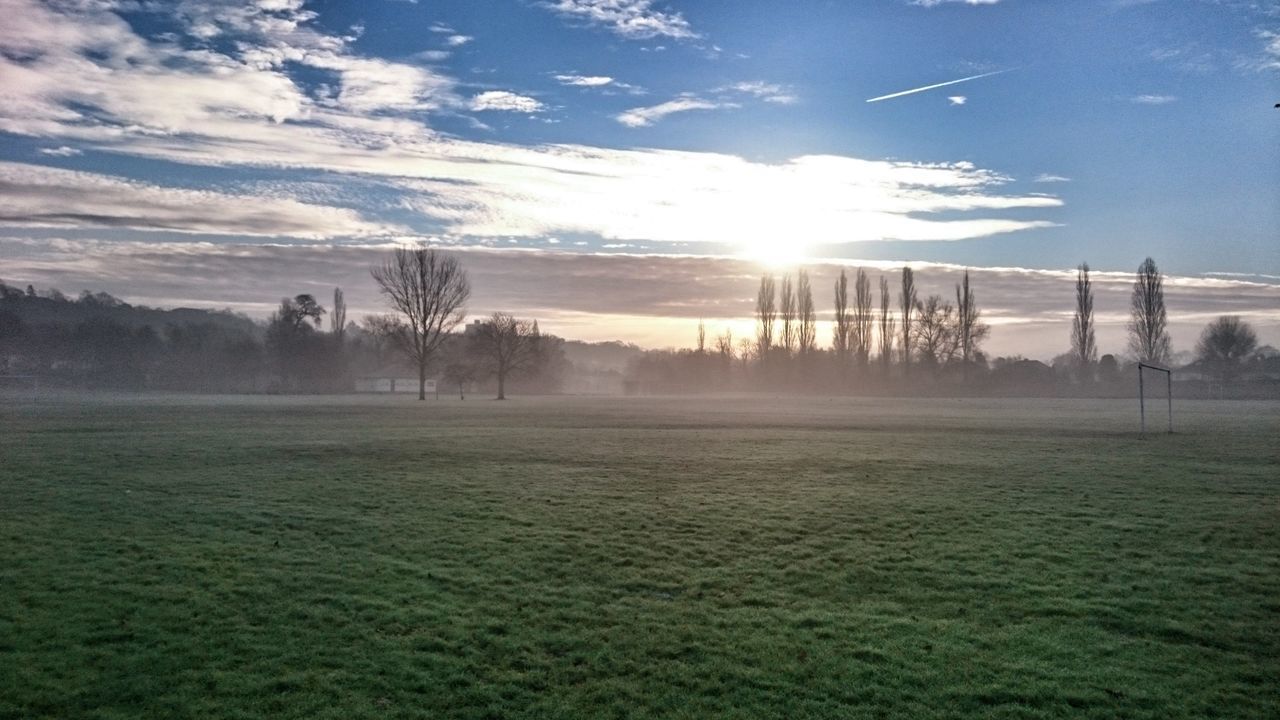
558 557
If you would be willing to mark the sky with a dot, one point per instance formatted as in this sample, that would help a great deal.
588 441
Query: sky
620 169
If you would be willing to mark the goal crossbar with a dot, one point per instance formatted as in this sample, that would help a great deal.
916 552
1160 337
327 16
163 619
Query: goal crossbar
1142 392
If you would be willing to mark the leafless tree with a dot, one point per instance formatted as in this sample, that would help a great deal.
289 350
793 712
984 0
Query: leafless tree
840 334
863 319
787 309
338 316
907 301
745 347
1224 344
1084 346
429 290
886 327
702 337
766 315
933 332
970 330
808 335
724 344
508 345
1148 325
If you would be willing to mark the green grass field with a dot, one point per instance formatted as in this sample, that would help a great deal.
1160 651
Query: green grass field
566 558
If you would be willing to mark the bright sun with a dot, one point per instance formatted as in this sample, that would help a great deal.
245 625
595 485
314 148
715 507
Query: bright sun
775 252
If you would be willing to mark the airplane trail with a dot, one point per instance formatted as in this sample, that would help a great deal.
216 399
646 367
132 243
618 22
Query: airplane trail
938 85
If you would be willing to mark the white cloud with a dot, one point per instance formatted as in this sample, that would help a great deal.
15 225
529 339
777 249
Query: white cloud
505 101
458 40
61 151
1048 178
631 19
38 196
769 92
91 80
584 80
645 116
1270 59
433 55
957 99
1153 99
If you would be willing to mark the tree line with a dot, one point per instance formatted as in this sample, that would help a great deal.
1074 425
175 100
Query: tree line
905 343
98 340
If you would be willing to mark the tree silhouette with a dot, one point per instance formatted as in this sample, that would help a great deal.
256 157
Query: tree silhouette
1083 344
1224 344
508 345
428 289
1148 331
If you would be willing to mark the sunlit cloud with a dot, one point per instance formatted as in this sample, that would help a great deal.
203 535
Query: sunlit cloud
1050 178
1153 99
90 79
957 99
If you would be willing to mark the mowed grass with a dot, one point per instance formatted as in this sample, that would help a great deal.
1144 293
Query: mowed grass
567 558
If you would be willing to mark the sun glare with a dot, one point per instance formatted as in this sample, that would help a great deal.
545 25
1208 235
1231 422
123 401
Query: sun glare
775 253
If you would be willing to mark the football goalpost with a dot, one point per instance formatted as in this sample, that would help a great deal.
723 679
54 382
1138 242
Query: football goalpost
1142 392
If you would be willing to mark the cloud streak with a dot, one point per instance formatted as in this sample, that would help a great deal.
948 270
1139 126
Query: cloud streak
935 86
37 196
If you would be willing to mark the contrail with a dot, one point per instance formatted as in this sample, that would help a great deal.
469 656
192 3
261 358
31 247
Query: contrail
941 84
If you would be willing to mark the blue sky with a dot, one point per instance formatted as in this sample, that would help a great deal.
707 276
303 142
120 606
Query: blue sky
1112 130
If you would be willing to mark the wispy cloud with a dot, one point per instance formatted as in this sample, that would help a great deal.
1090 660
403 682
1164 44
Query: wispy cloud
1153 99
935 3
646 116
630 19
1048 178
61 151
769 92
458 40
505 101
957 99
935 86
37 196
88 78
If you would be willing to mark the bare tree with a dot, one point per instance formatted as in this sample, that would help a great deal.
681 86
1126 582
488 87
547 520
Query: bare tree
907 301
702 337
428 289
886 327
1148 326
933 333
808 335
724 344
970 330
338 316
508 344
840 334
863 319
1084 347
787 309
1224 344
766 315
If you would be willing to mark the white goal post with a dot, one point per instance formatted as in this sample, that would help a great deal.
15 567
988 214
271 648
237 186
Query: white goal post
1142 392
